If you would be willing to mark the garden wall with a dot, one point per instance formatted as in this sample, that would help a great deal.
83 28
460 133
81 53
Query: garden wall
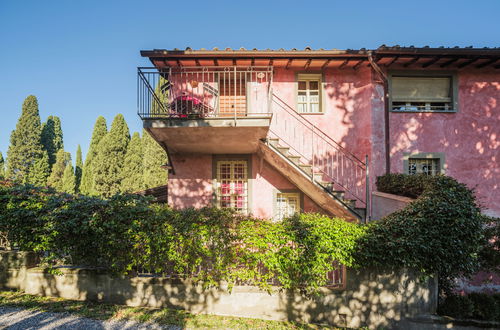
371 297
384 204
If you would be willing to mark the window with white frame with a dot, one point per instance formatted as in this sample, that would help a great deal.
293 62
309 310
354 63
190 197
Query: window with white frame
232 185
429 166
422 93
309 93
287 204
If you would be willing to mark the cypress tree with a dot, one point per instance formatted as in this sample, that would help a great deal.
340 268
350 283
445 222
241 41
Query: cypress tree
133 178
55 179
78 168
68 182
25 142
41 171
108 165
154 158
87 181
2 167
52 137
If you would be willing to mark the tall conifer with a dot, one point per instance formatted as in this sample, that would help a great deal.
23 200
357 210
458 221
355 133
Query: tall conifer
108 165
52 137
2 167
25 142
55 179
133 177
41 171
78 168
87 180
154 158
68 182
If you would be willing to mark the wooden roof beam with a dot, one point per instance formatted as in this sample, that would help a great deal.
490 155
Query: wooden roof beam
490 62
447 63
357 65
431 62
392 62
463 65
288 63
308 63
343 64
326 64
410 62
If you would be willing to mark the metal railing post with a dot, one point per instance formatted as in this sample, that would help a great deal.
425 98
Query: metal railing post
312 148
367 184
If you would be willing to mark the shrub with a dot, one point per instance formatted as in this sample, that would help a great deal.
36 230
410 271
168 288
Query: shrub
439 233
490 253
485 306
456 306
403 185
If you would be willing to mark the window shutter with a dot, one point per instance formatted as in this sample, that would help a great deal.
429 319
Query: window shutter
421 89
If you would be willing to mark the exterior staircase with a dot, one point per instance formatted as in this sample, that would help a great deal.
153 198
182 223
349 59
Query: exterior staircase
331 176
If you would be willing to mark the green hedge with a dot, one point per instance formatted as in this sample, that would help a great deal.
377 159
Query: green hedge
403 185
479 306
126 233
441 232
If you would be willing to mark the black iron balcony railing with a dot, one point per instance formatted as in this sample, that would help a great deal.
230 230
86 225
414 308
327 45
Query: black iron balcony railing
203 92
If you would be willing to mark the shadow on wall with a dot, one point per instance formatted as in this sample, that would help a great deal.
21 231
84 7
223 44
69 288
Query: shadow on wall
469 138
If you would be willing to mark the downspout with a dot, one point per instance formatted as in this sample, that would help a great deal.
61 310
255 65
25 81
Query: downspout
383 76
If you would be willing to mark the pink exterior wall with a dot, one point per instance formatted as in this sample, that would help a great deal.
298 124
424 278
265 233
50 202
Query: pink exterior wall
469 138
192 185
354 117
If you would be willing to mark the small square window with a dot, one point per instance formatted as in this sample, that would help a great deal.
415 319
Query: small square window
422 93
309 93
429 166
287 204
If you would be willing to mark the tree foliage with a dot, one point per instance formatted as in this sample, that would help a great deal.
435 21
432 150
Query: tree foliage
108 163
133 173
52 138
78 168
55 179
68 184
41 171
2 167
154 158
25 143
87 181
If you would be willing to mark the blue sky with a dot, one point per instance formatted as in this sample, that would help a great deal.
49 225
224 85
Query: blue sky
80 57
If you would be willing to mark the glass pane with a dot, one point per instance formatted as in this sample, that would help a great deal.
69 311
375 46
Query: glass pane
421 88
314 85
314 107
302 107
302 85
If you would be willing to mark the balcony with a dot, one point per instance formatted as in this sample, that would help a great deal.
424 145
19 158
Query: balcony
206 109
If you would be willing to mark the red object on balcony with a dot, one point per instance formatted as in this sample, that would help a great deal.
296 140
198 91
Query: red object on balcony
185 106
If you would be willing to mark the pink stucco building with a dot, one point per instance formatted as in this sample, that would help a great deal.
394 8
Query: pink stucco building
272 132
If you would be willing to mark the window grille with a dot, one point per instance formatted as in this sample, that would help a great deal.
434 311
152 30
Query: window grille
232 185
429 166
287 204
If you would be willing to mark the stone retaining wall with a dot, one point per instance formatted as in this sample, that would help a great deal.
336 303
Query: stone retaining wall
371 297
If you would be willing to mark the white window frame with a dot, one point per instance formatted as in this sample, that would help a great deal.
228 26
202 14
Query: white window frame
437 156
307 78
408 107
287 194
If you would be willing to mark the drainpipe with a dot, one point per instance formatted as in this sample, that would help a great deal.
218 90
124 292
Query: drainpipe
383 76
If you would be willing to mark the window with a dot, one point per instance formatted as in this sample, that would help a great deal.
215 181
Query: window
309 93
232 185
287 204
424 163
423 93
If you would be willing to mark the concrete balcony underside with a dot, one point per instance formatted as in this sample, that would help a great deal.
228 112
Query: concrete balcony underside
210 135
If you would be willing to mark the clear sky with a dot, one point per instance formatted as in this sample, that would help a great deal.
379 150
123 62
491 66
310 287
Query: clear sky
80 57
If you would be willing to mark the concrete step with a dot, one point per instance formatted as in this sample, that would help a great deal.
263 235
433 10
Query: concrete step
283 150
306 168
294 159
350 202
338 193
274 141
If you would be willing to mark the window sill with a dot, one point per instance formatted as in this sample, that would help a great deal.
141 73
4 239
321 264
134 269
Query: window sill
424 111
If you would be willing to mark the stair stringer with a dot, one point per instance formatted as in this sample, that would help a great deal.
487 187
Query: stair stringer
314 191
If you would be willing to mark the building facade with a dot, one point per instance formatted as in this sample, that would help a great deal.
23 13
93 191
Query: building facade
274 132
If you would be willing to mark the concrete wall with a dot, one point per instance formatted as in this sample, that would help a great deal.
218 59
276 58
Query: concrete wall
384 204
372 298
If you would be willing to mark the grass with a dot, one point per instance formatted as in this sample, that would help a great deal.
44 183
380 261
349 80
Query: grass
162 316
